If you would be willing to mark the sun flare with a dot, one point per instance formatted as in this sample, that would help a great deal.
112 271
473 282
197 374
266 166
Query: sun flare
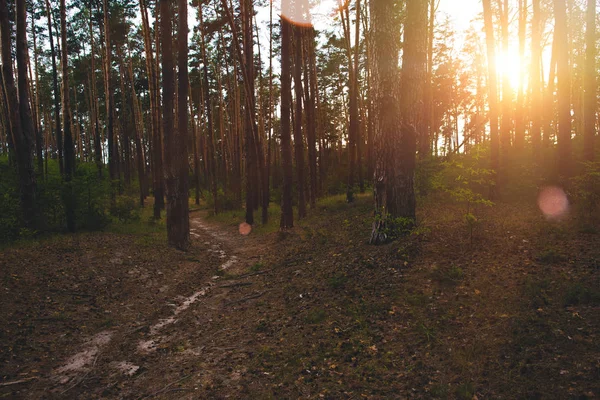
509 66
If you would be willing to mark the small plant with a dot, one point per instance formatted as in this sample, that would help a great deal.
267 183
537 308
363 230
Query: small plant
316 316
337 281
256 267
586 188
579 294
466 391
466 185
451 275
125 209
551 256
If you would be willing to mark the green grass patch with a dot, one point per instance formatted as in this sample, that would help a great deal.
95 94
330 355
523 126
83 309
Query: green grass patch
316 316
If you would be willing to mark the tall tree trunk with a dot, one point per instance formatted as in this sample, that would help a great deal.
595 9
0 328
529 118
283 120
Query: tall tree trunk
269 135
310 88
108 90
138 127
536 81
591 83
353 98
426 135
36 109
195 147
563 161
95 131
176 160
298 139
287 216
59 137
66 112
19 117
211 147
492 91
152 72
401 197
506 121
520 108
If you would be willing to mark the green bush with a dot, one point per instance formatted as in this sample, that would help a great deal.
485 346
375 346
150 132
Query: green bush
585 188
125 209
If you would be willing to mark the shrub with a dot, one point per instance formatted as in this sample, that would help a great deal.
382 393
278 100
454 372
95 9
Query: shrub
125 209
586 188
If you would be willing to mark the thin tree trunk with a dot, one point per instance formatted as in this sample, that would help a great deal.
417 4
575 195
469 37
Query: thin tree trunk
59 137
310 88
520 108
492 91
66 112
36 109
298 138
21 129
536 80
112 156
563 161
506 121
210 148
287 216
591 83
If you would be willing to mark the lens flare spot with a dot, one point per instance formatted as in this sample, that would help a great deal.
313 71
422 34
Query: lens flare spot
553 202
245 229
297 12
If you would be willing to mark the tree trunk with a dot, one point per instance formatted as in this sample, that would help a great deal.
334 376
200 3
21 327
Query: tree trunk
108 90
20 128
66 112
211 147
506 121
520 108
59 137
563 161
492 91
310 88
401 198
287 216
176 160
298 139
591 84
536 81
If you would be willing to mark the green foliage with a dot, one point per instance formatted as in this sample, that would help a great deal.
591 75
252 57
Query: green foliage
580 294
226 201
10 218
586 188
125 209
88 195
466 182
394 228
448 275
338 281
551 256
316 316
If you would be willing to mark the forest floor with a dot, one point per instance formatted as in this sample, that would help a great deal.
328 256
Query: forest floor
313 313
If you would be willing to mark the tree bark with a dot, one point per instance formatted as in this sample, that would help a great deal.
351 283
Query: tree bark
66 112
563 161
492 91
20 128
287 216
176 159
536 81
591 83
298 139
59 137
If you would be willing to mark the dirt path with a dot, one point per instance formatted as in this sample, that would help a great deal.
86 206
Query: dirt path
134 358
